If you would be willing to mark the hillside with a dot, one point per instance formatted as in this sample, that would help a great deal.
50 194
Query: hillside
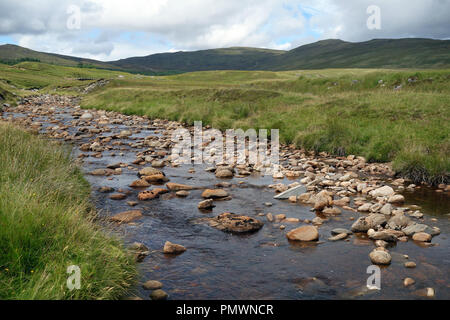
236 58
11 54
378 53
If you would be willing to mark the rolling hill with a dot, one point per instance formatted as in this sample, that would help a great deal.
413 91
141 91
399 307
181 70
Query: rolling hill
378 53
10 54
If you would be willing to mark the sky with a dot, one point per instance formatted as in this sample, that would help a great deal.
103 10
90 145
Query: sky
111 29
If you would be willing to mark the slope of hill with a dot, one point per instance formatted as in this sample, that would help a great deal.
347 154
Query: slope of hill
378 53
10 54
236 58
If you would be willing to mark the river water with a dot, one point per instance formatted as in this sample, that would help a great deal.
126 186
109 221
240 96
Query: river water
263 265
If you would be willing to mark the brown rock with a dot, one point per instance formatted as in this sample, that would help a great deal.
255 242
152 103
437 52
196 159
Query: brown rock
230 222
127 216
139 184
322 200
117 196
177 186
172 248
422 236
214 193
151 194
304 233
206 204
155 178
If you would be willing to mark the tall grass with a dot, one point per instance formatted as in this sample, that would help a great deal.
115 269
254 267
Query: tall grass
46 225
339 111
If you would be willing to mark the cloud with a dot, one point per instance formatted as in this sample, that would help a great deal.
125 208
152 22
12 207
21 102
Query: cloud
113 29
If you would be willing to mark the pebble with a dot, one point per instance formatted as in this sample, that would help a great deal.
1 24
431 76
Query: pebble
159 295
152 285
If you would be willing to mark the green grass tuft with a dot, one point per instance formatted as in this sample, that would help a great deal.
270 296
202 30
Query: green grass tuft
46 225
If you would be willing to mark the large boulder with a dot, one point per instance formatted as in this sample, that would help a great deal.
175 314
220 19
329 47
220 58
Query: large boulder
385 191
399 221
230 222
372 221
304 233
149 171
127 216
172 248
322 199
214 193
380 257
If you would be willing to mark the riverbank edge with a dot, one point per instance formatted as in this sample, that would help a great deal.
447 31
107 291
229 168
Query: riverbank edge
48 224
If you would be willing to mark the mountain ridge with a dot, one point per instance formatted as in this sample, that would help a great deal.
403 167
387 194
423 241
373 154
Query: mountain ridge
331 53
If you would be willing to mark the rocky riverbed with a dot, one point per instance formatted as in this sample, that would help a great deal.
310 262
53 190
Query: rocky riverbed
205 232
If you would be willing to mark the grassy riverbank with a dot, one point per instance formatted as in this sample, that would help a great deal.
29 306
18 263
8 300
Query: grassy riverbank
340 111
46 225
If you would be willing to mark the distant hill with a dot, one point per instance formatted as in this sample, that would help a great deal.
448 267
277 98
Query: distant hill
378 53
236 58
10 54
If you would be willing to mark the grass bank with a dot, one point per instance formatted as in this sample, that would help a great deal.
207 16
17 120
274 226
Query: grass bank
345 111
46 225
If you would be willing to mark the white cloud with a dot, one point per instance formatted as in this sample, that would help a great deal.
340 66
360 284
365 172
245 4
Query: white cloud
113 29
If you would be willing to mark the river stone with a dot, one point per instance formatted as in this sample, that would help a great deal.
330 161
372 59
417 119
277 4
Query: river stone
178 186
382 235
152 285
224 173
385 191
295 191
380 257
340 230
172 248
303 233
322 200
118 196
331 211
386 209
363 224
149 171
87 116
339 236
155 178
422 236
158 163
127 216
230 222
101 172
414 228
399 221
408 282
206 204
159 295
410 264
214 193
396 198
182 193
365 207
139 184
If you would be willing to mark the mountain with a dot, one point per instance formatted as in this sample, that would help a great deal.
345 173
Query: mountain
378 53
10 54
235 58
